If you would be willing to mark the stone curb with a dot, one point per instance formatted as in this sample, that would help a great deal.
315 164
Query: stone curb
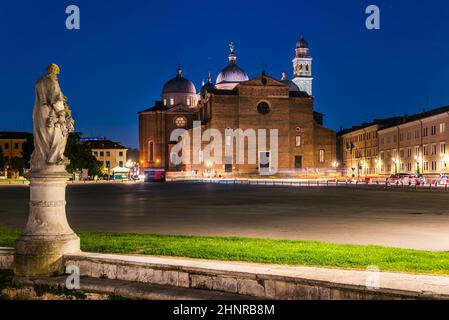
259 280
252 279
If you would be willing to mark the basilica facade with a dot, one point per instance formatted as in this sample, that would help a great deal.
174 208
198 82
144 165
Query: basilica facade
240 104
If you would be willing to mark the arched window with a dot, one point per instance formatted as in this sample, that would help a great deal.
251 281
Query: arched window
150 151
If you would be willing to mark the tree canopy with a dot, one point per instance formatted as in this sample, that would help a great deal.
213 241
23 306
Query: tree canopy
81 157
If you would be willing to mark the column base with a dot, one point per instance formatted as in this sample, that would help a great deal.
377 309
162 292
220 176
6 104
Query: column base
41 255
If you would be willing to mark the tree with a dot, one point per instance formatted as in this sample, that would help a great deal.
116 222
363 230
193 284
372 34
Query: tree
16 165
27 150
81 157
2 161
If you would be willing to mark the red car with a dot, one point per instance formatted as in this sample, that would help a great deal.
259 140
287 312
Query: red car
155 175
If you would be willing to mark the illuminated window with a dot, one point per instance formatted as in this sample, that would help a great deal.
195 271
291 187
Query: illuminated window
442 127
151 151
433 130
434 166
172 101
188 101
298 141
425 150
416 151
165 102
434 149
322 156
180 122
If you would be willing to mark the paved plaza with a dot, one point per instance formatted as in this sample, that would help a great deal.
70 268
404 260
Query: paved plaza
356 215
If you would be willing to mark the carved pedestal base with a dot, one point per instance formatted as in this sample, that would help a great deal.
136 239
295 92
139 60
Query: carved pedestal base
47 236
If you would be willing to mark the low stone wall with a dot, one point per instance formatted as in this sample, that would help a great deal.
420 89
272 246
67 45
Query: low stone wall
250 279
258 280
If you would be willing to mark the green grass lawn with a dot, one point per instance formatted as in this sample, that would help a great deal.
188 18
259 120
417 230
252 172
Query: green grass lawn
305 253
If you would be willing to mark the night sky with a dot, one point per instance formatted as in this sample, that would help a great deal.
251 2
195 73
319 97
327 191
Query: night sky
125 51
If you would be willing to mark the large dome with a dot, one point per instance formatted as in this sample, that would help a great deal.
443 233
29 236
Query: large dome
179 84
231 74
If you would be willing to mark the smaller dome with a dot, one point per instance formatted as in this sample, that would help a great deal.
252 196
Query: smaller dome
208 86
302 43
291 85
179 84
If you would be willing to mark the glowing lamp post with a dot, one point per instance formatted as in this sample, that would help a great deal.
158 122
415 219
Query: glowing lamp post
395 162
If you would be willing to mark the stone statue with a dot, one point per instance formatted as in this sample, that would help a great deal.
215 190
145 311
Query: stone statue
47 236
52 123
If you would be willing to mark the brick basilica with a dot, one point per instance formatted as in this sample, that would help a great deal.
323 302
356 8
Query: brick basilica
235 101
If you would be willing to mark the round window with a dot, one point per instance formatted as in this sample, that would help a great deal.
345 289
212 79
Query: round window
180 122
263 108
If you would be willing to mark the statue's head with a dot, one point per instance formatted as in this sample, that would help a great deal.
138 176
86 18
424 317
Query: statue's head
53 69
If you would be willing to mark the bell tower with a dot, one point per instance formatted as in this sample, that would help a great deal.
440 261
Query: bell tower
302 66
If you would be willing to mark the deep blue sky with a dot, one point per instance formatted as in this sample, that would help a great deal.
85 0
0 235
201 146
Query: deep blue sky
118 62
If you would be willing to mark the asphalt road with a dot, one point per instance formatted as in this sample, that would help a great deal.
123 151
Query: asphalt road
408 219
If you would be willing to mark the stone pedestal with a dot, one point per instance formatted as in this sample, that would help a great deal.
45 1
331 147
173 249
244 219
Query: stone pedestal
47 236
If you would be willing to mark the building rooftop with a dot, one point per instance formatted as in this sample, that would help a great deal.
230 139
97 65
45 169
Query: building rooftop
382 123
104 144
395 121
15 135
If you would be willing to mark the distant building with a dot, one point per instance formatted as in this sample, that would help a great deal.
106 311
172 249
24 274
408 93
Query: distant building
235 102
111 154
133 155
417 145
11 143
408 144
358 147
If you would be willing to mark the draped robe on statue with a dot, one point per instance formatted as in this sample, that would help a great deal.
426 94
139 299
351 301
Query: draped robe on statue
50 125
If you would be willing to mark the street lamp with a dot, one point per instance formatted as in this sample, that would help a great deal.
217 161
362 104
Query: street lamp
395 164
444 160
417 164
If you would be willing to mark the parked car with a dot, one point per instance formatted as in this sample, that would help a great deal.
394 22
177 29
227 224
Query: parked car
155 175
406 179
399 178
